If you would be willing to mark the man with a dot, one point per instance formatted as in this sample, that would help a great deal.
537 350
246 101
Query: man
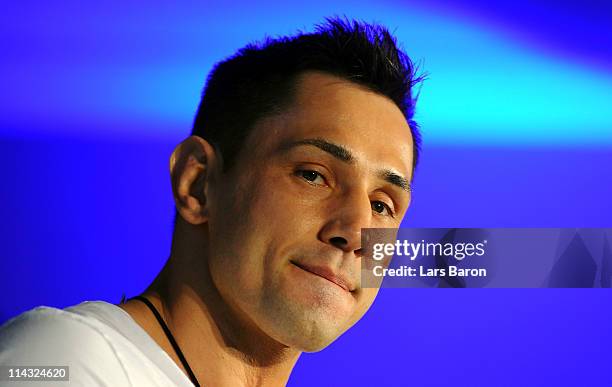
297 145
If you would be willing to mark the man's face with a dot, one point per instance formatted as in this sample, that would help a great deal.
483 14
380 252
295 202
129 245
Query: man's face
285 222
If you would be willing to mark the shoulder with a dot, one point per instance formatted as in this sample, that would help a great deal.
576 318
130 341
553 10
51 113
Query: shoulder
56 337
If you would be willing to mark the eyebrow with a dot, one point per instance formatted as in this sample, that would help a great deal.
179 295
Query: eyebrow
343 154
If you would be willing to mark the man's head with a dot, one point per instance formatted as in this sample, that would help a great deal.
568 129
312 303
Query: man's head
298 145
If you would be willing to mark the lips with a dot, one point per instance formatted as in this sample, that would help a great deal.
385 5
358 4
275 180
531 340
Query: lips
327 273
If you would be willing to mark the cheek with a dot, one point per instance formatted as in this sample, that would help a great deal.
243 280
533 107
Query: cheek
237 246
253 233
285 211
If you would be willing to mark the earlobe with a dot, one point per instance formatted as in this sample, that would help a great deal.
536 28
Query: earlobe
190 167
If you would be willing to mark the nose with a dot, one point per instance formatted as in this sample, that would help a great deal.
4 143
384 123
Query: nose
347 217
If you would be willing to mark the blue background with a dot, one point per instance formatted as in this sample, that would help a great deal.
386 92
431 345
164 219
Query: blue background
517 126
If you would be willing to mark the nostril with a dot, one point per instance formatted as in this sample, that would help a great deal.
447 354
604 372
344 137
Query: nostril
338 242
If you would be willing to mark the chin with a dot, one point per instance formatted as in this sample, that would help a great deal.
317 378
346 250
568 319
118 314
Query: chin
313 344
304 325
307 334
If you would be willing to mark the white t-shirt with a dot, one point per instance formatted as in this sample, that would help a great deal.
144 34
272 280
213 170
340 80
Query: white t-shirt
100 343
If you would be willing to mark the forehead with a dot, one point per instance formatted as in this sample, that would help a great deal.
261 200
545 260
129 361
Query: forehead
370 125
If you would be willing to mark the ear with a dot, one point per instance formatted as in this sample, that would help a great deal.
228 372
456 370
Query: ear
191 170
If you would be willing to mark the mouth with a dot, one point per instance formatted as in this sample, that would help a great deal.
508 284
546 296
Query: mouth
326 273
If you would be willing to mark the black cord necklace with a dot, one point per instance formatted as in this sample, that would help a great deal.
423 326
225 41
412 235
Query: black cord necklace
173 342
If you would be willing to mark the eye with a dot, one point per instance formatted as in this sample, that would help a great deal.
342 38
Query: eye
381 207
313 177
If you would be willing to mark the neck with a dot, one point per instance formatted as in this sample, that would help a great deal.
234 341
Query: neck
222 345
